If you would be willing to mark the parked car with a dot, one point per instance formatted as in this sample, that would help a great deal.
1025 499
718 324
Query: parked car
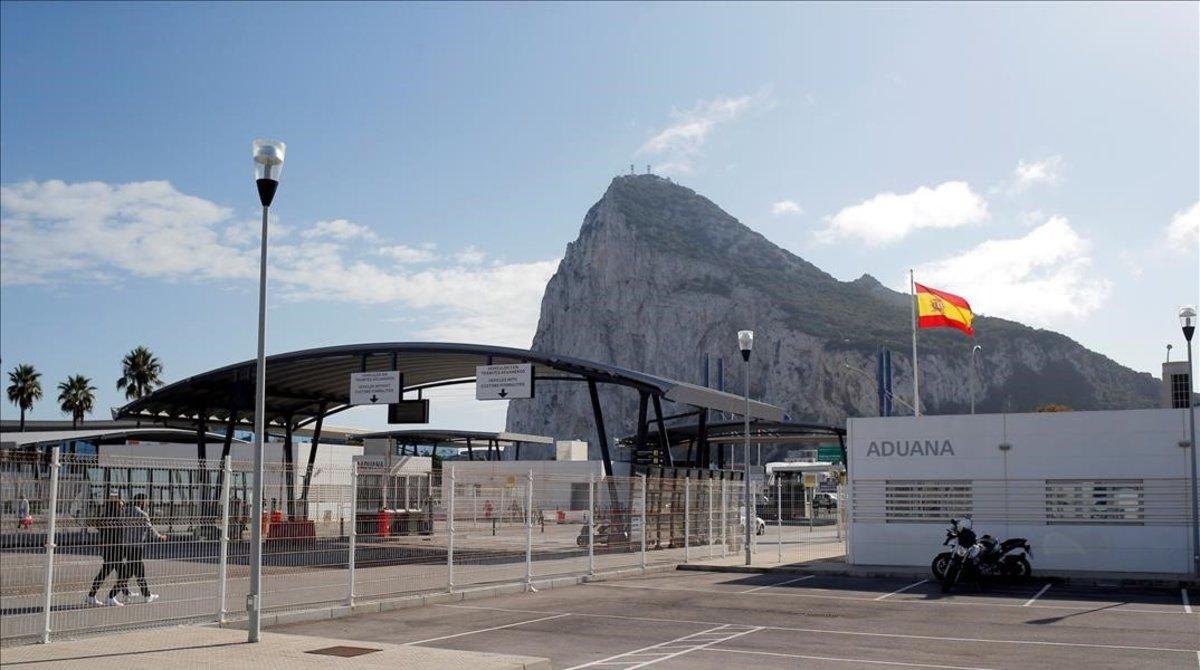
760 525
825 501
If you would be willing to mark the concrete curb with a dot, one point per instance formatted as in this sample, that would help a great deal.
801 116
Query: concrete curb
270 619
905 572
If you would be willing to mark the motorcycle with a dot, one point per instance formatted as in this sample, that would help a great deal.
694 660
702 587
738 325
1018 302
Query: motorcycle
984 558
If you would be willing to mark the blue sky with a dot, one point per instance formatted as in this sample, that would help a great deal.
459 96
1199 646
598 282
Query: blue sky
1041 160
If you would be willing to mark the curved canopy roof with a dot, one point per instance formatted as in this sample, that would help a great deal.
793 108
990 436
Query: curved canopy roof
52 437
761 432
304 385
434 436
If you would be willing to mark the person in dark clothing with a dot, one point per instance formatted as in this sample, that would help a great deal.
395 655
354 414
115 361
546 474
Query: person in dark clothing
109 525
135 532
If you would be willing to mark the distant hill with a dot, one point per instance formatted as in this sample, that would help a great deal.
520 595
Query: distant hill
659 276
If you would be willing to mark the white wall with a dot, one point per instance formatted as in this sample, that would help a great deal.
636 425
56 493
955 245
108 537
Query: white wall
1008 487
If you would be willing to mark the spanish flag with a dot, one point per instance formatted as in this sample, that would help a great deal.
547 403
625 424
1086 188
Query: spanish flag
938 309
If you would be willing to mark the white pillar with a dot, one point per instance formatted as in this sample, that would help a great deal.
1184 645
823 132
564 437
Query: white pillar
710 538
779 516
687 516
353 539
643 522
450 536
223 561
51 522
529 532
724 519
591 524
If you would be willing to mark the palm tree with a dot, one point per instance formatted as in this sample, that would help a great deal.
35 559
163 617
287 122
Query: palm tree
140 373
76 397
24 388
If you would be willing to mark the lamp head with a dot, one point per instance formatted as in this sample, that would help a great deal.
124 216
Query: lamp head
1187 319
745 343
268 164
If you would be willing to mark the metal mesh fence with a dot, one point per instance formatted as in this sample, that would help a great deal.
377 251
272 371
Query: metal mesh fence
140 542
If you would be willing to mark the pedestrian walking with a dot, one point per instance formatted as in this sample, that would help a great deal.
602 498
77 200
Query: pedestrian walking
24 518
109 525
135 533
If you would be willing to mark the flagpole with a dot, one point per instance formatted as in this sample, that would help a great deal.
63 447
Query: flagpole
912 287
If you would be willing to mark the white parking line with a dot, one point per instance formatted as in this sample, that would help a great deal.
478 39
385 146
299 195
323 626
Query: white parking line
790 581
826 631
1187 605
485 630
913 585
689 643
1036 596
856 661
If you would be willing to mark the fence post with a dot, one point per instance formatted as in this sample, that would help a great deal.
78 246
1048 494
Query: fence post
450 536
725 522
591 520
529 532
353 539
51 519
643 522
223 561
687 518
779 515
710 540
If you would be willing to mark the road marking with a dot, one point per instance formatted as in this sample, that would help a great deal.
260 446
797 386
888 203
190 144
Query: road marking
690 643
790 581
842 660
1187 605
936 601
792 629
913 585
1036 596
485 630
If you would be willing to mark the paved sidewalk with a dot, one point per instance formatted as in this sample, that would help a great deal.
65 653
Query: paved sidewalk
202 647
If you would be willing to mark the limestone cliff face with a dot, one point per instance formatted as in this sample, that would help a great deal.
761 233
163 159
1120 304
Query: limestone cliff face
661 276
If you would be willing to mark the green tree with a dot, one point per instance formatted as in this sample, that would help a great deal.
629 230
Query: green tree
141 373
24 388
76 397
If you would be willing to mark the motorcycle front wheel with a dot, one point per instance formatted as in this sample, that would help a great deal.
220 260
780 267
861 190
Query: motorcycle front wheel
938 566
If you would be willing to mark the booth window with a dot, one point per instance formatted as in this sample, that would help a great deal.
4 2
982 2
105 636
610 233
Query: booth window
927 500
1180 385
1095 501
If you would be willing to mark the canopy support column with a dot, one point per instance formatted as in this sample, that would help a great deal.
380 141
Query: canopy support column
643 427
470 451
664 443
702 446
289 468
312 455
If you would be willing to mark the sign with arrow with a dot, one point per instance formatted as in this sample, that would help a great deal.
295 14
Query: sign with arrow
504 382
375 388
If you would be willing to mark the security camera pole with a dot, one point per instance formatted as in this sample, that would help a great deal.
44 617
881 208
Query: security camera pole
746 343
268 163
1187 319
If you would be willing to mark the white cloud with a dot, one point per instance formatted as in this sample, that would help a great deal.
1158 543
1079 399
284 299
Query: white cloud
405 254
1047 171
339 229
1039 279
1183 233
470 256
51 231
888 217
680 142
786 207
57 233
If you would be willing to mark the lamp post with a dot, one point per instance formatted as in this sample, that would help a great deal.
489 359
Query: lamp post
746 343
974 376
268 163
1187 319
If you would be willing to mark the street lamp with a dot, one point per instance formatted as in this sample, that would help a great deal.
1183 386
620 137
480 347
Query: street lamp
1187 320
974 376
746 343
268 164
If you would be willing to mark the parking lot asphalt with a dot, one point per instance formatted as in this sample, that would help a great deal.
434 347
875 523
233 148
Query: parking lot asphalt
720 621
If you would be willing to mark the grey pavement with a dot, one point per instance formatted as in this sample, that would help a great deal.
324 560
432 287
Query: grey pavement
202 647
703 620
